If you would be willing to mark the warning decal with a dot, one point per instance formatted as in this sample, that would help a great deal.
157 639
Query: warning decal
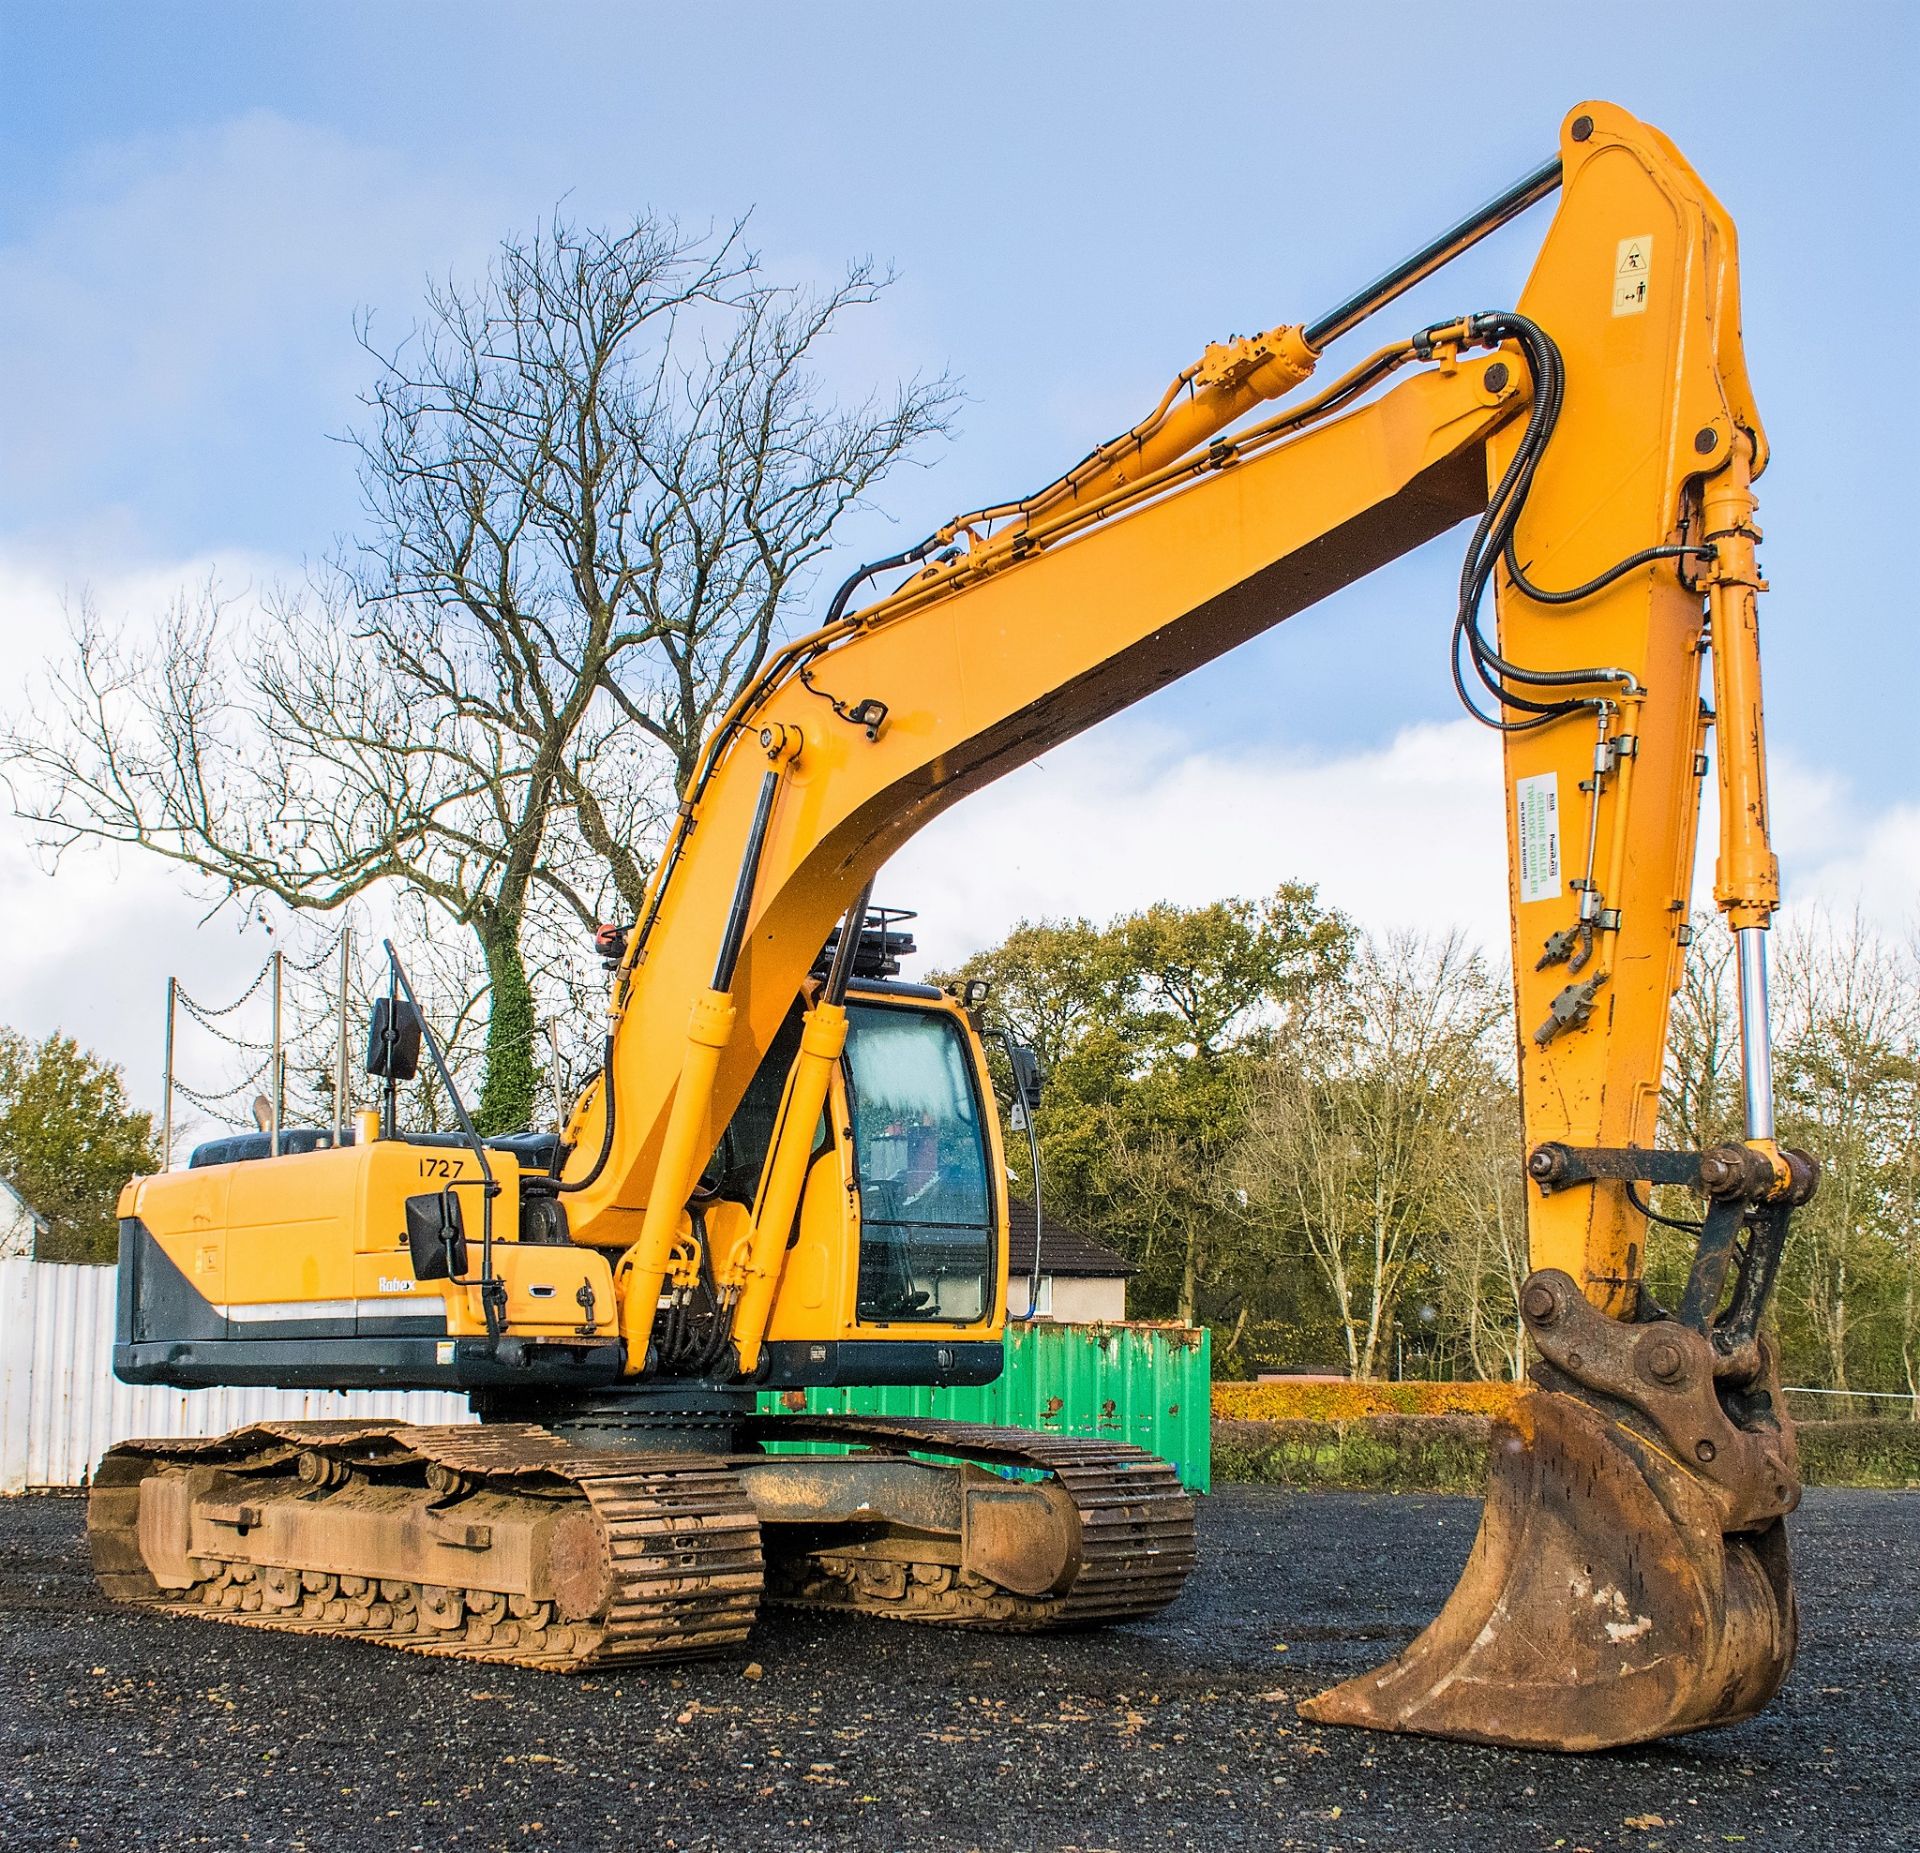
1539 802
1632 269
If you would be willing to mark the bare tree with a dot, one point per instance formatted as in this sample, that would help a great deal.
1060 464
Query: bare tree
1481 1255
1700 1101
1846 1017
594 485
1354 1124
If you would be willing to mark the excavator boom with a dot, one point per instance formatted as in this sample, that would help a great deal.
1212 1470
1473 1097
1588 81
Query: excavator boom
1604 438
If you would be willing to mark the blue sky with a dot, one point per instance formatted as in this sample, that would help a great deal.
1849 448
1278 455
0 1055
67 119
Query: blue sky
198 199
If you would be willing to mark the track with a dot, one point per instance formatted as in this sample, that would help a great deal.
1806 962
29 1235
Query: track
649 1556
1134 1553
506 1544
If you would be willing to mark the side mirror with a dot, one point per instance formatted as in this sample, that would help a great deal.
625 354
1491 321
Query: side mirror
1029 1078
436 1236
393 1040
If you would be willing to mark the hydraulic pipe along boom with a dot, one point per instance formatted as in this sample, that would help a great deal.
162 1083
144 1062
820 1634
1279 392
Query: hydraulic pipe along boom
1509 204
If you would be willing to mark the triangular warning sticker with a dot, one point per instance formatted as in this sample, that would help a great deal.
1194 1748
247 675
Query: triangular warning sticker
1632 271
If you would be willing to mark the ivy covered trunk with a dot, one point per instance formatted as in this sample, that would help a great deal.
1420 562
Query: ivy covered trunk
513 1077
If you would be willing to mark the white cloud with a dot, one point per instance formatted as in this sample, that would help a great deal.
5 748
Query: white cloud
1837 853
1405 834
39 597
87 949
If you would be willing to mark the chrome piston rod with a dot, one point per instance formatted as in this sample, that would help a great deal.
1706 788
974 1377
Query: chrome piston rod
1756 1031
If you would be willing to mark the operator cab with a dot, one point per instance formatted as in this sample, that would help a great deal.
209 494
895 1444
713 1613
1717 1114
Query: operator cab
918 1158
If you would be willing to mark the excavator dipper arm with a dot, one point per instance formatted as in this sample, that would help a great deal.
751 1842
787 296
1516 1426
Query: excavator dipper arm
1630 1578
1631 1575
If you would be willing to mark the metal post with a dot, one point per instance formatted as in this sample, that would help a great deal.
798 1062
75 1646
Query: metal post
559 1087
166 1108
340 1046
1756 1031
276 1083
392 1130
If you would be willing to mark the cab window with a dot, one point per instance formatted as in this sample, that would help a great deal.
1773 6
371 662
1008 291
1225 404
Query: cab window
926 1208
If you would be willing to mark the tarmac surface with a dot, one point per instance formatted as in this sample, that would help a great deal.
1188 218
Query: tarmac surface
120 1730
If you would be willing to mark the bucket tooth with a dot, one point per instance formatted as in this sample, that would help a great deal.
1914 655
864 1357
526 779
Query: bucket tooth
1604 1602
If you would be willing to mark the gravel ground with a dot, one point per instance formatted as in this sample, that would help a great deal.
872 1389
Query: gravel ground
119 1730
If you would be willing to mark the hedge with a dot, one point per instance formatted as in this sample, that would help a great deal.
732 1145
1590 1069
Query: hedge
1448 1453
1865 1453
1320 1400
1398 1454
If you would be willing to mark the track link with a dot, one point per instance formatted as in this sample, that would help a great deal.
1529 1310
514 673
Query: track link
1134 1552
657 1556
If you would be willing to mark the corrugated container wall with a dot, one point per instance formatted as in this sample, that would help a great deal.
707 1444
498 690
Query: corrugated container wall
1147 1384
61 1407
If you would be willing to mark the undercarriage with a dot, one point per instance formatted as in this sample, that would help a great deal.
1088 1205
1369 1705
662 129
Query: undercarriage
511 1543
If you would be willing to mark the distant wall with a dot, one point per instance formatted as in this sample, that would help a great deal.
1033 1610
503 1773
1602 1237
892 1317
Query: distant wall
61 1407
1069 1299
1089 1302
16 1227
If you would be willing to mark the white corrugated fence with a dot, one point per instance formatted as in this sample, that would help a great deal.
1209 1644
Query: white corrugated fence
61 1407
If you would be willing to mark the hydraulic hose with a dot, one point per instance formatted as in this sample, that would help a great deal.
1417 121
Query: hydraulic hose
606 1132
835 612
1493 543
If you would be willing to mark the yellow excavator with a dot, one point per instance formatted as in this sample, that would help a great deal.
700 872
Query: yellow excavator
788 1170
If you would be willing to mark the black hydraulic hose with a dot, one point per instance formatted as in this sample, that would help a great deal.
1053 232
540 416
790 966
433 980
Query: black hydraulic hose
1493 541
606 1131
1647 1210
1033 1152
854 581
644 928
722 975
847 948
835 612
1541 595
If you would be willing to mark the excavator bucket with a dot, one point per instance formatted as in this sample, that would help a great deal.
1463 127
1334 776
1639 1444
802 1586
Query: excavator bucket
1606 1600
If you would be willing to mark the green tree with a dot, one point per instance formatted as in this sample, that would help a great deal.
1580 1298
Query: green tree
69 1140
1143 1025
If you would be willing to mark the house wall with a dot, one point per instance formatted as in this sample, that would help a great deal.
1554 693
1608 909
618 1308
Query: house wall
16 1226
16 1232
1070 1299
1088 1302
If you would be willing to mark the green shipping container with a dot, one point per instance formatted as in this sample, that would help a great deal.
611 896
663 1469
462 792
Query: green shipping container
1151 1385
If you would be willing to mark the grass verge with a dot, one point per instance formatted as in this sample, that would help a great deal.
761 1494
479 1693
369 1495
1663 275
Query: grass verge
1448 1453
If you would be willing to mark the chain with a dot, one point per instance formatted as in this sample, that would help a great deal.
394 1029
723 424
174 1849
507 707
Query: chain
227 1010
303 1020
206 1022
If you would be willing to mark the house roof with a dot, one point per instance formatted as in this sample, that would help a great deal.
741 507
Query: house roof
1064 1250
10 1194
